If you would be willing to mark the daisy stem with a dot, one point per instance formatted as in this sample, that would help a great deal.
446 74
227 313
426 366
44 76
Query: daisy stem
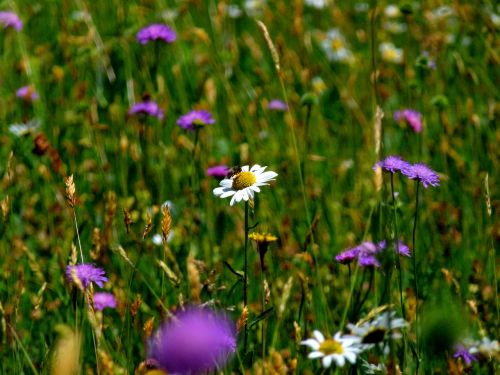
396 247
245 279
415 285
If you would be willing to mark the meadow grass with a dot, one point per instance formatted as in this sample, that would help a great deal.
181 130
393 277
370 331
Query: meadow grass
85 63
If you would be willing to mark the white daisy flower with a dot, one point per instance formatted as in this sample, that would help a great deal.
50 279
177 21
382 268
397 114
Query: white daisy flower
376 331
487 347
338 349
392 11
335 47
390 53
244 183
318 4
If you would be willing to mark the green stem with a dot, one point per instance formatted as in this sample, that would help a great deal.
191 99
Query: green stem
245 279
398 266
396 247
415 285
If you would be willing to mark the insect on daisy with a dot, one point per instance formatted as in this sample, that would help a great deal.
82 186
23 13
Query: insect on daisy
338 349
244 183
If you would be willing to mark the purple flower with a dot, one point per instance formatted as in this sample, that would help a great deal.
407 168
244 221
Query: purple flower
218 171
462 352
27 93
195 118
277 105
413 118
392 164
10 19
347 256
195 341
365 253
147 107
86 273
103 300
156 31
422 173
403 248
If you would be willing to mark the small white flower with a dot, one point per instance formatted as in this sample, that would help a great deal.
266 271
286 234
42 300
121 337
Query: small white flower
22 129
392 11
338 349
318 4
336 48
157 239
390 53
371 368
375 331
243 184
487 347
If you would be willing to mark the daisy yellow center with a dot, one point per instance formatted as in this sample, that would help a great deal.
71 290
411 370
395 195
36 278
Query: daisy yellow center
330 346
337 44
243 180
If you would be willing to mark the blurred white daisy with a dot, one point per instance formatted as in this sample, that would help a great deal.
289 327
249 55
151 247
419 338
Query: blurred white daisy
318 85
254 8
242 184
375 331
487 347
336 48
318 4
338 349
23 129
390 53
392 11
371 368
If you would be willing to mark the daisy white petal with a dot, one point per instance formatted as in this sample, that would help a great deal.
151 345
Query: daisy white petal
318 336
314 355
327 361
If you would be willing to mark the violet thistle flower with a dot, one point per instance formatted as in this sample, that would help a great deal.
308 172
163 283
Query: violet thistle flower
411 117
193 342
156 31
218 171
85 274
10 19
27 93
402 248
195 119
422 173
392 164
103 300
277 105
462 352
148 108
347 256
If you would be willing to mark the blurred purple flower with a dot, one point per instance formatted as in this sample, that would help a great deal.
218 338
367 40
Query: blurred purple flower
411 117
103 300
156 31
218 171
86 273
195 118
27 93
347 256
403 248
10 19
147 107
277 105
462 352
392 164
194 341
422 173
